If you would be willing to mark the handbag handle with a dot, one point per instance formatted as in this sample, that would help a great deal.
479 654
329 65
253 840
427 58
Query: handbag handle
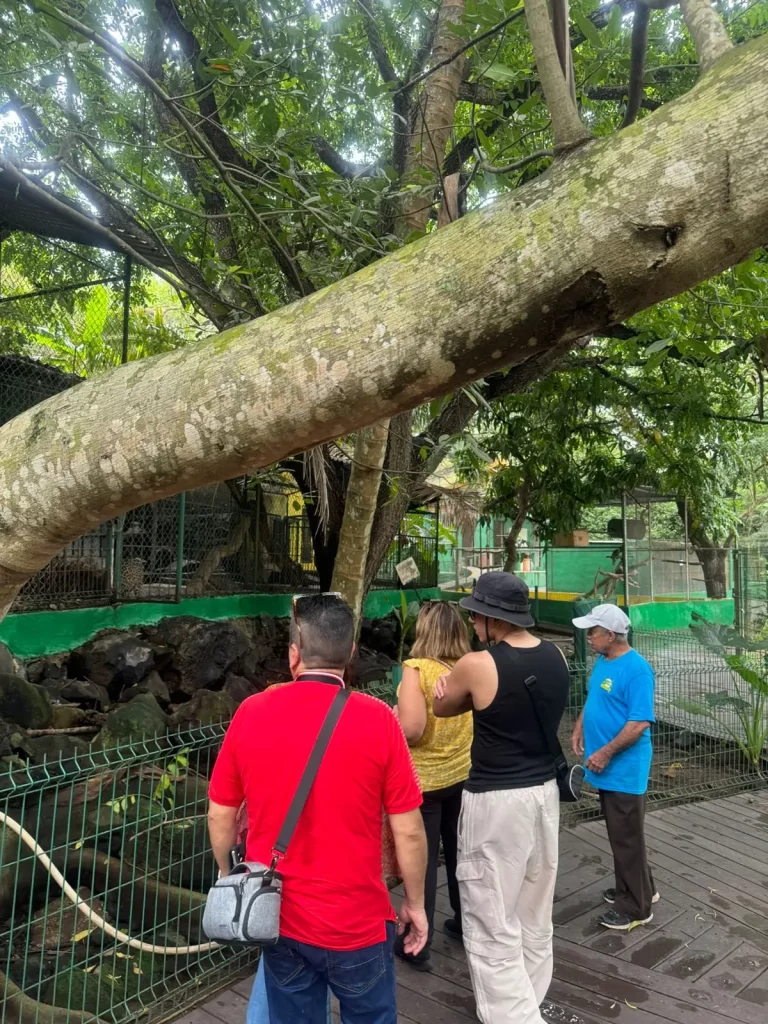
291 819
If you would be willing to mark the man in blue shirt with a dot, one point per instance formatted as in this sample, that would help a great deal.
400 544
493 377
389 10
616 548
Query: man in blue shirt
613 736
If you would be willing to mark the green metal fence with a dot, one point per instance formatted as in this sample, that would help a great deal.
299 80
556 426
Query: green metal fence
127 830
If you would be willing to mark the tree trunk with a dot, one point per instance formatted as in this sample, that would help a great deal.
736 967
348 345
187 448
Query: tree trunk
712 558
510 541
620 224
360 506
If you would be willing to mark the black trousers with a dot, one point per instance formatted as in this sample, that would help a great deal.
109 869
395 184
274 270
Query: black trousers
440 811
624 819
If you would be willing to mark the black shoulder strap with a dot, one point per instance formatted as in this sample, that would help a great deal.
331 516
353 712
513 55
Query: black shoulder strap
549 734
330 722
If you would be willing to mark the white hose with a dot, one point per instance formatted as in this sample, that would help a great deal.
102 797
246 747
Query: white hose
82 906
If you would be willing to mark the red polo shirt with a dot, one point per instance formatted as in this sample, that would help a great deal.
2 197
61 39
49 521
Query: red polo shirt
333 893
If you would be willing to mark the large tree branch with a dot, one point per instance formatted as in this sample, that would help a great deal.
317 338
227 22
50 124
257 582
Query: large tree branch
344 168
567 126
548 264
707 31
376 43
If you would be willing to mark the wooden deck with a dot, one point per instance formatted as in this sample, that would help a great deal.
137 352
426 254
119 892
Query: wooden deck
704 958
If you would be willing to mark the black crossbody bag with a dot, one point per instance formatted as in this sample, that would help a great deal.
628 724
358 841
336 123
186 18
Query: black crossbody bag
243 908
569 779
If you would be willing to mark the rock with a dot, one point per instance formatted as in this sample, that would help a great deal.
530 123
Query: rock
7 662
238 688
141 718
370 667
23 703
83 691
204 708
60 922
56 747
153 684
382 635
69 716
203 652
13 740
112 659
54 668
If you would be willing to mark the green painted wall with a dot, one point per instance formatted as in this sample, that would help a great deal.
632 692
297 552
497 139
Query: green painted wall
676 615
34 634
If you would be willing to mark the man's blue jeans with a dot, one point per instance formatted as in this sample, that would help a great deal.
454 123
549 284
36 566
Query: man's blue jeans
298 977
258 1008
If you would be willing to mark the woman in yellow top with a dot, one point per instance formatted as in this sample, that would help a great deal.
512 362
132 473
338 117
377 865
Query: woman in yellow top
440 749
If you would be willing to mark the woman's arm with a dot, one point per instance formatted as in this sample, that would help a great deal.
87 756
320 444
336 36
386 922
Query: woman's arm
411 705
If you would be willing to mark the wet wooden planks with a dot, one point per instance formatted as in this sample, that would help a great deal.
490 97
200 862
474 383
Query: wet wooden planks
704 958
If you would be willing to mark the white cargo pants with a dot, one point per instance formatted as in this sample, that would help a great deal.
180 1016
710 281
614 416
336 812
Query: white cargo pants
507 867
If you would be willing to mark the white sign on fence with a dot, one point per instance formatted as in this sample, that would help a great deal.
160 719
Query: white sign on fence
407 571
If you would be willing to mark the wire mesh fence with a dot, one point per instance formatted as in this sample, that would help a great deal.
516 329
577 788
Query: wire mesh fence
127 831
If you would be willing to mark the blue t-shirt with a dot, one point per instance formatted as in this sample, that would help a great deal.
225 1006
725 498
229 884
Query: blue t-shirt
620 691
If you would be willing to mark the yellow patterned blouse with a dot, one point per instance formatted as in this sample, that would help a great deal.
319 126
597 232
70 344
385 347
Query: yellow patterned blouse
442 755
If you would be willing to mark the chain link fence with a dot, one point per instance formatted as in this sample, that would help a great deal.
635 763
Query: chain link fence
127 830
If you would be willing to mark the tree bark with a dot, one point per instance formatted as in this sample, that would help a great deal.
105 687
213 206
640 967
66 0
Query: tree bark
712 557
567 126
624 222
435 106
510 541
707 31
359 510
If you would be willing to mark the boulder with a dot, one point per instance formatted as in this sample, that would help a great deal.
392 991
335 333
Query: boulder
57 747
203 652
153 684
113 659
382 635
83 691
140 719
7 662
370 667
238 688
13 740
24 703
204 708
70 716
54 668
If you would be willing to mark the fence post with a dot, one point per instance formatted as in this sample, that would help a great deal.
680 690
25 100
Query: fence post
625 549
126 306
118 579
257 540
180 545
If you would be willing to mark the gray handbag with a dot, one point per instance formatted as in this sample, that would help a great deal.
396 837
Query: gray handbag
243 908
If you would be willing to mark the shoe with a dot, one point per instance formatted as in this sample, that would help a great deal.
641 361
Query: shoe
420 962
621 922
609 895
453 929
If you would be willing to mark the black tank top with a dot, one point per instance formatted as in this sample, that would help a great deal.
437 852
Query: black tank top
509 750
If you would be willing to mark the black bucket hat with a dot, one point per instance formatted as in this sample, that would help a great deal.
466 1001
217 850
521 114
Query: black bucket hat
501 595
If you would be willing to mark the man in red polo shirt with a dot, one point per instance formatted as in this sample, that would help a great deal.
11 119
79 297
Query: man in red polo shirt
337 926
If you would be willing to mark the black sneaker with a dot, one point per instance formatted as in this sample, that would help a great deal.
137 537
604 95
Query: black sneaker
621 922
453 929
421 962
609 895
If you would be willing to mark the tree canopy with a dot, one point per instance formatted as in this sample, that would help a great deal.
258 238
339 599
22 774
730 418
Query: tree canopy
251 154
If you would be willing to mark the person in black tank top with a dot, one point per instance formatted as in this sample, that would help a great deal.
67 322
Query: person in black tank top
508 832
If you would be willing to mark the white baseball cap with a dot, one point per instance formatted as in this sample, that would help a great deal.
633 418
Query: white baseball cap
606 615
